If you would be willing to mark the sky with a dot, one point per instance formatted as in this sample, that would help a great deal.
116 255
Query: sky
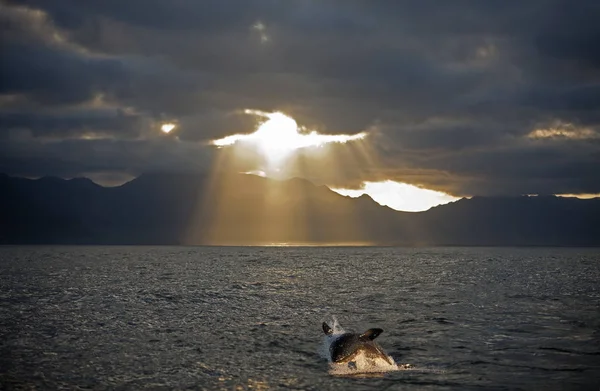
463 97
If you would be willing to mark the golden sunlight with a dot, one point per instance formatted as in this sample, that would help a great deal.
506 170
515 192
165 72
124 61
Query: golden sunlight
167 127
559 129
279 136
582 196
400 196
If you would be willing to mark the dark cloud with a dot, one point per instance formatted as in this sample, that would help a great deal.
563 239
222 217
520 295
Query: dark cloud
449 91
72 123
55 76
71 158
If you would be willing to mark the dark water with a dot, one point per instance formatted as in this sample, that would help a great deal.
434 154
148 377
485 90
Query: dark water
249 318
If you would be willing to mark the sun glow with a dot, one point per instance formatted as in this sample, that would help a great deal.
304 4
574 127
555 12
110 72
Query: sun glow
399 196
279 136
167 128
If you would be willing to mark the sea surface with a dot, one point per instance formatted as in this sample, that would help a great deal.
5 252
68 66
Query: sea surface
249 318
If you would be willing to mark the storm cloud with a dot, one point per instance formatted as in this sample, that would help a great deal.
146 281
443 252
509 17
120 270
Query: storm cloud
467 97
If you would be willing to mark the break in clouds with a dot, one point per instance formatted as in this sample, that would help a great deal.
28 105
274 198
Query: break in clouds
466 97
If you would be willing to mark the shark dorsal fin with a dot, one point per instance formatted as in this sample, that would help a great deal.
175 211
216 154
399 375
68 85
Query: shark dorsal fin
370 334
326 329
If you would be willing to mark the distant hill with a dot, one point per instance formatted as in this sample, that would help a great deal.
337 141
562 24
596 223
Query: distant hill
190 208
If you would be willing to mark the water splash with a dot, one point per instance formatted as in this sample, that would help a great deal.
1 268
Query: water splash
328 339
361 365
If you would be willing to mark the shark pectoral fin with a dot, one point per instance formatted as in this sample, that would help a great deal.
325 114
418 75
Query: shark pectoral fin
326 329
370 334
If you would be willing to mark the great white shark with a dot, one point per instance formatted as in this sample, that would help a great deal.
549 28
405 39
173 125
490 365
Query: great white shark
357 351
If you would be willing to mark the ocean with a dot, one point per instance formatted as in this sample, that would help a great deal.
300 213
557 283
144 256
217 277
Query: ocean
249 318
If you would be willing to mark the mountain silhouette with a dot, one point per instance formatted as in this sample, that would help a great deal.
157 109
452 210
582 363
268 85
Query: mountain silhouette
191 208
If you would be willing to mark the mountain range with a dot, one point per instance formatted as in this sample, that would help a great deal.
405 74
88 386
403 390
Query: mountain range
192 208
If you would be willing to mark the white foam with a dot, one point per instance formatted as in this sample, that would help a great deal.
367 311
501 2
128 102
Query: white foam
362 364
